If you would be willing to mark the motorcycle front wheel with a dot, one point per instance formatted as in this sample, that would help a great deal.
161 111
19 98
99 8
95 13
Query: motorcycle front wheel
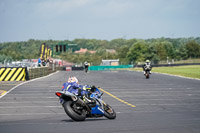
147 75
109 112
73 112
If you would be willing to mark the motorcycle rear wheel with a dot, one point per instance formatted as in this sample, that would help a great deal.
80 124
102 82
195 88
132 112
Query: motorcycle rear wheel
72 113
109 112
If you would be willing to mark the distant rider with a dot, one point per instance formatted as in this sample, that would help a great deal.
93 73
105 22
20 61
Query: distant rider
83 91
86 65
39 62
146 66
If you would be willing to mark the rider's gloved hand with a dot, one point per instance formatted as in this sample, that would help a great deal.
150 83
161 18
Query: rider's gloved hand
93 88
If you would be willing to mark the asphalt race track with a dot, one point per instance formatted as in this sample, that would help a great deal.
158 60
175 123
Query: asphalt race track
164 104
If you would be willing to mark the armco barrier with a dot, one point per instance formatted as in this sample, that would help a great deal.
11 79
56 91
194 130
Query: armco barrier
13 74
77 68
38 72
42 71
98 68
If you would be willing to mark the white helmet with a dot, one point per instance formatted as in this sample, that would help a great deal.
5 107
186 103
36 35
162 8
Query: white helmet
72 80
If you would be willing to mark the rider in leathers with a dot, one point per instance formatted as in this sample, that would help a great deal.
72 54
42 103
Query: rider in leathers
147 64
83 91
86 65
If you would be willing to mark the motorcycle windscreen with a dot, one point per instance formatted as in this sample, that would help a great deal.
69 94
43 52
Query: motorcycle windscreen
97 110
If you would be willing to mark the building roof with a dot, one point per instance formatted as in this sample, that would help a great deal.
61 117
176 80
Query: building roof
111 51
92 52
82 51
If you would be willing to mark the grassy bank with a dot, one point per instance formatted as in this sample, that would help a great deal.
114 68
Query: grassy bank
188 61
182 61
192 71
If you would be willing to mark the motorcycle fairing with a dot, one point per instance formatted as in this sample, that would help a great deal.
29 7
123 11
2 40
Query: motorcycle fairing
97 110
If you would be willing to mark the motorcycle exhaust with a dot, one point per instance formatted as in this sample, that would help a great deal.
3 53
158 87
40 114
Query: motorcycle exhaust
74 98
82 103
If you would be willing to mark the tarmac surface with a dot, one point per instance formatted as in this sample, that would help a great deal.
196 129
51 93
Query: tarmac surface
164 104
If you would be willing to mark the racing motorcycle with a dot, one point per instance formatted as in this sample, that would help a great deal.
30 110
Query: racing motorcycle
86 69
147 69
78 109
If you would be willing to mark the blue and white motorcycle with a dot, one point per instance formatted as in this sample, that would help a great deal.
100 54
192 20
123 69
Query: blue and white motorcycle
79 109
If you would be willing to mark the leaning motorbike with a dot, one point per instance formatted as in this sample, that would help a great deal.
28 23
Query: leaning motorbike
78 109
86 69
147 69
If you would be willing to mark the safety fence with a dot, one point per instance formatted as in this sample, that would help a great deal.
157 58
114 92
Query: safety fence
13 74
98 68
41 71
24 73
38 72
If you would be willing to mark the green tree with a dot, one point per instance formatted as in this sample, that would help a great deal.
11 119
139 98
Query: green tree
193 49
161 51
122 51
116 43
181 52
4 57
122 54
137 52
151 54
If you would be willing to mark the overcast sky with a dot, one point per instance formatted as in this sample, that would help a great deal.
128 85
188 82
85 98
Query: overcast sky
21 20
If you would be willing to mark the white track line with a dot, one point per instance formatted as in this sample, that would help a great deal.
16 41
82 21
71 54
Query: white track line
27 82
177 76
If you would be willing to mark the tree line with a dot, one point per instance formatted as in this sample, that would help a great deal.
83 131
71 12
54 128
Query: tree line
127 50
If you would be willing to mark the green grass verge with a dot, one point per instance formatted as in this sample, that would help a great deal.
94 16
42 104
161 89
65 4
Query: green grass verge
192 71
188 61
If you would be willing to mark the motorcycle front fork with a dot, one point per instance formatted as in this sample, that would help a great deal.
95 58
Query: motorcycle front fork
145 72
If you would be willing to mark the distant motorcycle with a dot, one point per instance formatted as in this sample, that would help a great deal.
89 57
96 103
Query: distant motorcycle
86 69
86 65
79 110
147 69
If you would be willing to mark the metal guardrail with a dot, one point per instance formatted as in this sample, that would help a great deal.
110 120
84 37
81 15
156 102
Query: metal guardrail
38 72
26 73
77 68
41 71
